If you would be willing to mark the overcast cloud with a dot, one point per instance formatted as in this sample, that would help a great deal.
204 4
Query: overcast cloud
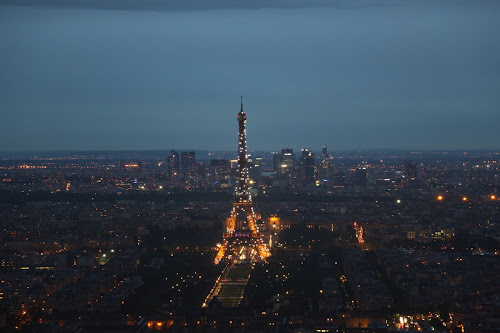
356 74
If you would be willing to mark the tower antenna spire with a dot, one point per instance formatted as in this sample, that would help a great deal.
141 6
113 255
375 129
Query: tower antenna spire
241 103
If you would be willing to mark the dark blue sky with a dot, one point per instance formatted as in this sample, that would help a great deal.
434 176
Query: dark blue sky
377 74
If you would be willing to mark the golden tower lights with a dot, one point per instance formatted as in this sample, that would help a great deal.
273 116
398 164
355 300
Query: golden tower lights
239 232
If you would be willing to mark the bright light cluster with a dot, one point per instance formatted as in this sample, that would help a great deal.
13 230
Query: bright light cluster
235 238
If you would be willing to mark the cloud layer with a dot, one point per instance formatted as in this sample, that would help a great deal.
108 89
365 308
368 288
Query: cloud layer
373 77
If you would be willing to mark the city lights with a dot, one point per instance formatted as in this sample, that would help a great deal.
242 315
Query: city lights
337 239
242 205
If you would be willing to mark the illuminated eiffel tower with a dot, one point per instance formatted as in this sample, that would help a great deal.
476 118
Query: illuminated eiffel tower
242 239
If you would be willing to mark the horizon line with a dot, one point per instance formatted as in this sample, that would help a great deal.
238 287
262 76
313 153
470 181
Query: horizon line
411 150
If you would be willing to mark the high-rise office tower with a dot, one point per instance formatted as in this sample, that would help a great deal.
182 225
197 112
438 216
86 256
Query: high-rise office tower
326 166
307 166
188 161
256 168
173 162
277 162
288 158
285 161
324 153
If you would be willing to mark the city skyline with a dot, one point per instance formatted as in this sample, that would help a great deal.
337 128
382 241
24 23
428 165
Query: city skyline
375 242
366 201
383 241
412 75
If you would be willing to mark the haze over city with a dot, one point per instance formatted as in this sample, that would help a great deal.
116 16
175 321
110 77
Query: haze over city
113 75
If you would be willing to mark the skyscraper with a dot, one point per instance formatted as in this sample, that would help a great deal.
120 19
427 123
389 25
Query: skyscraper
326 166
188 161
288 158
256 168
324 153
278 161
285 161
307 166
173 162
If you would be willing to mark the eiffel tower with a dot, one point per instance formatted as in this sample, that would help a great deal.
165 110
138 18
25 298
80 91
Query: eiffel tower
242 239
